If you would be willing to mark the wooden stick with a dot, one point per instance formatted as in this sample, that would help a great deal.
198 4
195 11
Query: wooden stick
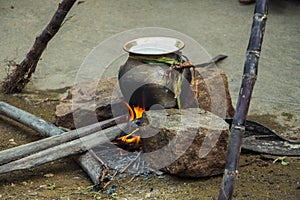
87 162
16 81
130 163
248 81
91 166
43 127
73 147
33 147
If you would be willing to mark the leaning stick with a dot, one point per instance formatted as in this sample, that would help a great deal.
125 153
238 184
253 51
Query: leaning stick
248 81
73 147
17 80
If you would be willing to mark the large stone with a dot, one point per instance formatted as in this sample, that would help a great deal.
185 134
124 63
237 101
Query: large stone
211 88
188 143
89 102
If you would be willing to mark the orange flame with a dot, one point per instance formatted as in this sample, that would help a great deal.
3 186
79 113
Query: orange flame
128 139
136 113
130 111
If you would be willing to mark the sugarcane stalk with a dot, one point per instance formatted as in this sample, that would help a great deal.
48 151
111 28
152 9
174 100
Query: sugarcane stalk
244 98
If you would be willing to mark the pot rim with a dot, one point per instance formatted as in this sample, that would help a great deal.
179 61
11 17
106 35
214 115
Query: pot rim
153 45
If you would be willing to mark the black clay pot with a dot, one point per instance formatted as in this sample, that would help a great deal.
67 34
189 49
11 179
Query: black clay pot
145 85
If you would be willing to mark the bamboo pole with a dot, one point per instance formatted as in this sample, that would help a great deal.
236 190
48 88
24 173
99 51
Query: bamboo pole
87 162
62 150
92 167
244 98
46 129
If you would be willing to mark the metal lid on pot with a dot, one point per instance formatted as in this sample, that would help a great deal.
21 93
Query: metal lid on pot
153 45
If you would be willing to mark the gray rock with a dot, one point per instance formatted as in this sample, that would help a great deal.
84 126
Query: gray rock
189 143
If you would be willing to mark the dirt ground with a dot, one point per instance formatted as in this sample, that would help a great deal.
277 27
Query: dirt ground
221 27
259 177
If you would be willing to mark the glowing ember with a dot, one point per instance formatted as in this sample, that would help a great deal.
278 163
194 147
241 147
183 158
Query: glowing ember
131 138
